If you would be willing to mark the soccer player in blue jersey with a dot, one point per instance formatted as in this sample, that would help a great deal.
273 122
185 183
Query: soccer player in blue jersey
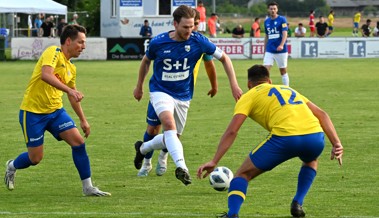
276 42
175 55
296 127
153 123
42 109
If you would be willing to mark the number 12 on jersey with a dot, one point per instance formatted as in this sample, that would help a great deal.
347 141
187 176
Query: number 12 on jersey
274 91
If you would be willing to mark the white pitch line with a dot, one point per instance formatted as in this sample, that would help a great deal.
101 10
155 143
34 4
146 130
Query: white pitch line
159 214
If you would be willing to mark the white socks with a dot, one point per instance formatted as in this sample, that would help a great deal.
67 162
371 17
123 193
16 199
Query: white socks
175 148
171 142
286 79
11 166
156 143
87 183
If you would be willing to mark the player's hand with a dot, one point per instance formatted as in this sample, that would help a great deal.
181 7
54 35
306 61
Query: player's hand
86 128
212 92
279 48
208 167
337 152
78 96
237 92
138 93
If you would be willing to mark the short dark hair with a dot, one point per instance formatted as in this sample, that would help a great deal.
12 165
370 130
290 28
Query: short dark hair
311 11
368 21
145 21
183 11
258 73
300 24
72 32
273 4
257 18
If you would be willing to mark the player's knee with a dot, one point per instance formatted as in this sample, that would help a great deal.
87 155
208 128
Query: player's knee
153 130
35 158
312 164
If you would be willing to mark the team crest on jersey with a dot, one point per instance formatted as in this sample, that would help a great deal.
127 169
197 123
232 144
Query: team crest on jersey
187 48
275 22
68 73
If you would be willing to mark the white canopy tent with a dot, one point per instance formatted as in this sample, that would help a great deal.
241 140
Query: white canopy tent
29 7
32 7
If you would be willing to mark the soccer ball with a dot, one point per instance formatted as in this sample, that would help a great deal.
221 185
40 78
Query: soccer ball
220 178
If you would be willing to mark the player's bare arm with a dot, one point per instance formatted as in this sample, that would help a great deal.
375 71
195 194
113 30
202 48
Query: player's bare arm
47 76
284 39
229 69
330 131
211 72
143 71
76 106
225 143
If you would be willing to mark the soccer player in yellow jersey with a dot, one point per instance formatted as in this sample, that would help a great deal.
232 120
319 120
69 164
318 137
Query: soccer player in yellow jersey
356 20
296 127
330 22
42 109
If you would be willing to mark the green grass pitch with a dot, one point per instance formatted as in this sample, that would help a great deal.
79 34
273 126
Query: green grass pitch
346 88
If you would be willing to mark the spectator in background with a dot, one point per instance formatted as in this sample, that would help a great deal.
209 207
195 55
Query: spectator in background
62 23
365 29
212 25
74 20
255 28
356 20
146 30
330 22
47 28
289 32
238 31
37 25
322 28
300 30
376 30
202 24
312 28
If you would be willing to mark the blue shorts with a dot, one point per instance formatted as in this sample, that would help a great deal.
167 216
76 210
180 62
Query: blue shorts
330 28
356 25
277 149
152 118
34 125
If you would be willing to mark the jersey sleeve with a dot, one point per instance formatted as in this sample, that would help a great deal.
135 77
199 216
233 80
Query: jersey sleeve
150 51
207 46
244 105
284 24
50 56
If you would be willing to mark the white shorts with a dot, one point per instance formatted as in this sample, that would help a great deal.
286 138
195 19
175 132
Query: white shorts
202 27
281 59
164 102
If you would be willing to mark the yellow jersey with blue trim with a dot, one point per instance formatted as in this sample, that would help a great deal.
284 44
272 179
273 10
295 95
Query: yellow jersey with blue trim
279 109
40 97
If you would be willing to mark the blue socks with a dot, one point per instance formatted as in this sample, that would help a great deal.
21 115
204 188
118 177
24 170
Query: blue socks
147 137
305 180
81 161
22 161
236 195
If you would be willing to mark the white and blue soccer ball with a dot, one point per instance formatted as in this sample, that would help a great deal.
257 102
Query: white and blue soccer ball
220 178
